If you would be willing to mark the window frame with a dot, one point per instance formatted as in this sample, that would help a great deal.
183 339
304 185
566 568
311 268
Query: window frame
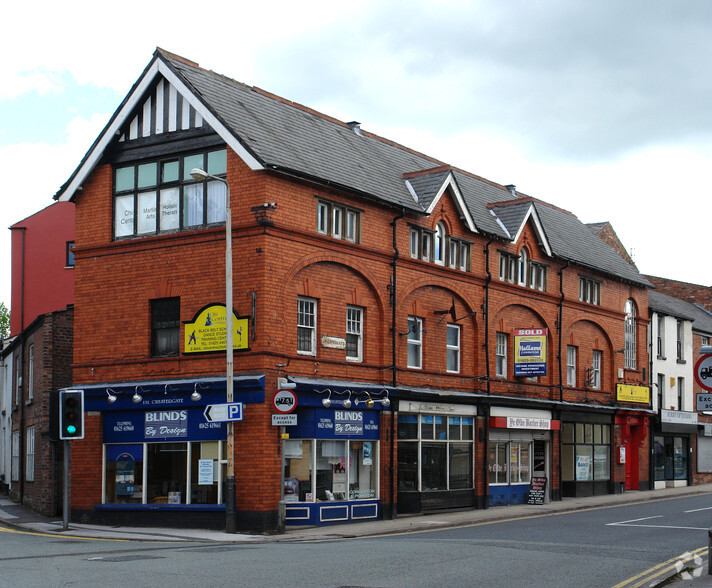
630 346
30 454
680 337
69 254
415 342
30 373
571 352
596 369
453 350
302 312
351 332
338 221
501 348
165 320
661 336
168 193
589 290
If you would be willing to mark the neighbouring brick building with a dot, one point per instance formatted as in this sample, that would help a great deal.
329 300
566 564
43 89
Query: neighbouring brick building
43 355
441 341
36 361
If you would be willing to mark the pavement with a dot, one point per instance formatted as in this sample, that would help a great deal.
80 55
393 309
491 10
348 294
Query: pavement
21 518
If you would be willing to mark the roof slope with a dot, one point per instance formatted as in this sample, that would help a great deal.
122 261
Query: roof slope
269 132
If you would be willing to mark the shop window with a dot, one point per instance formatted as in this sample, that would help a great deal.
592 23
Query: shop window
354 333
159 196
509 463
30 457
306 326
453 349
501 355
338 221
585 452
630 336
165 327
176 473
670 458
330 470
435 452
415 342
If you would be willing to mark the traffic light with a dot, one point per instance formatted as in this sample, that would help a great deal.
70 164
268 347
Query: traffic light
71 414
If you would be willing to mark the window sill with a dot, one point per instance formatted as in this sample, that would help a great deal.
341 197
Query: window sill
682 361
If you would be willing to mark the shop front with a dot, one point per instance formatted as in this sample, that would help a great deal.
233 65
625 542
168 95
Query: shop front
672 448
436 456
163 453
330 456
519 454
586 454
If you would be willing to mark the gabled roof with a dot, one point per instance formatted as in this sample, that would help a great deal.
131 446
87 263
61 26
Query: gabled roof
271 133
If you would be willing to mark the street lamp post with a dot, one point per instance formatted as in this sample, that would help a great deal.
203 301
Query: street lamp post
199 174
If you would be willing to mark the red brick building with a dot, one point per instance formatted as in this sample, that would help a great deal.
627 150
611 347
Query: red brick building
443 340
42 264
43 359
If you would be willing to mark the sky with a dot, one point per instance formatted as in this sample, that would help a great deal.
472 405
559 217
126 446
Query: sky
601 108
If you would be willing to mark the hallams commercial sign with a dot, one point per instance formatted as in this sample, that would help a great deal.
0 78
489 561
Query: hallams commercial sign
530 352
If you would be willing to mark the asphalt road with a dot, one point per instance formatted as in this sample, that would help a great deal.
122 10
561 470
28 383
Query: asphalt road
596 547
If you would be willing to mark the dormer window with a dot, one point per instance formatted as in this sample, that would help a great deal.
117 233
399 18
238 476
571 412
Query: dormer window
520 269
439 247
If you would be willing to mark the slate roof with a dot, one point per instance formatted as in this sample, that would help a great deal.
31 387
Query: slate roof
671 306
285 136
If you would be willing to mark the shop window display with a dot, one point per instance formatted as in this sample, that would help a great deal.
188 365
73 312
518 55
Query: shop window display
330 470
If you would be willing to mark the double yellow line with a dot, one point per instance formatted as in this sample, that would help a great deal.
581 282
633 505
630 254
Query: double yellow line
662 571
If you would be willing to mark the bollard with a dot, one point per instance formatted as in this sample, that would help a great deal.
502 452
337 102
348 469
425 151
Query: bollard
709 551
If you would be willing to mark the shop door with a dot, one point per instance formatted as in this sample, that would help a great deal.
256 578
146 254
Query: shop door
631 460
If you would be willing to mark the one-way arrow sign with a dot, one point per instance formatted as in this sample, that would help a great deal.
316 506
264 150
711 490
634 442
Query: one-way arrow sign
223 413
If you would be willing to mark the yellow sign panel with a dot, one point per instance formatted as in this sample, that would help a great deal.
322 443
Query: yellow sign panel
630 393
208 332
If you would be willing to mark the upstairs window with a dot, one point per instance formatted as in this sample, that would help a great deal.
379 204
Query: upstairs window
69 254
165 327
571 366
680 342
630 343
338 221
415 342
453 348
306 326
661 337
161 196
354 330
436 246
589 290
595 373
520 269
501 355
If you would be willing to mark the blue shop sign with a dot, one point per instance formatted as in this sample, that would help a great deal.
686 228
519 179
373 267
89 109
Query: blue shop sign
341 423
171 424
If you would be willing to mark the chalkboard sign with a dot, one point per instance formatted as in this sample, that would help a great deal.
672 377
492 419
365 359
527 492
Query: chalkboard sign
537 489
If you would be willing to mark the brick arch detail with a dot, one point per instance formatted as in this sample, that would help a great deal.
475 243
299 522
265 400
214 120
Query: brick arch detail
316 258
416 285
